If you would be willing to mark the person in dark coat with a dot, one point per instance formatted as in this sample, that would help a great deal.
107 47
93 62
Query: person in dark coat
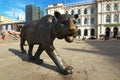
107 35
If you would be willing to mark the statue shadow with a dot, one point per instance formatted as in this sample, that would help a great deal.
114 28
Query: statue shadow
82 50
24 57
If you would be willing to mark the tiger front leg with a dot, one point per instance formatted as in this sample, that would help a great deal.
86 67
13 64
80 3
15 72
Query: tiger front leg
22 42
64 69
31 57
38 53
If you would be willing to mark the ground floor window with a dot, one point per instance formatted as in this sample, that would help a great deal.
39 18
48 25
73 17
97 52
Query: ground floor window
4 28
7 27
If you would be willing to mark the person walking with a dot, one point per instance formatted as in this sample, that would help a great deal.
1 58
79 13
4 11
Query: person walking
107 35
3 35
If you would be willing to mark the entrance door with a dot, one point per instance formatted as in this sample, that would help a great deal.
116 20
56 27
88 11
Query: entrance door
107 32
115 32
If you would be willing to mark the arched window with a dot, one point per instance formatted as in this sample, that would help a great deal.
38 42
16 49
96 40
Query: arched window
92 32
107 18
85 32
85 21
92 20
92 10
115 18
108 7
72 12
79 21
85 11
79 11
115 7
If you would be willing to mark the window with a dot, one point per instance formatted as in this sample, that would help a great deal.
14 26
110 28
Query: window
72 12
9 27
85 21
107 18
85 32
79 12
85 11
115 18
79 21
92 32
115 7
108 7
4 28
92 20
92 10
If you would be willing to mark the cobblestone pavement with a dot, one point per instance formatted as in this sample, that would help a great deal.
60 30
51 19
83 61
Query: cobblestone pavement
91 60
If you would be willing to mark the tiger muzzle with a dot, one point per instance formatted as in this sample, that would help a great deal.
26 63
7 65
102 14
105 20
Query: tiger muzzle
71 36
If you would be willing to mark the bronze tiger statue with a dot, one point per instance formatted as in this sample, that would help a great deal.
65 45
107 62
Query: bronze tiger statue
44 31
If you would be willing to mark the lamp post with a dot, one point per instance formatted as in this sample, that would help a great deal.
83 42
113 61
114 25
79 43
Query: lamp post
0 26
13 20
101 18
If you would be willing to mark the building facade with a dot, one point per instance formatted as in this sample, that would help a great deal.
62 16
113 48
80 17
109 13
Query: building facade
4 20
11 27
33 13
95 18
8 24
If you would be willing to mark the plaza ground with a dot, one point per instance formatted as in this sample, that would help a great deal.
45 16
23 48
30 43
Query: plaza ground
9 38
91 60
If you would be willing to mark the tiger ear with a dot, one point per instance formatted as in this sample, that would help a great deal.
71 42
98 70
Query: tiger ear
57 14
76 16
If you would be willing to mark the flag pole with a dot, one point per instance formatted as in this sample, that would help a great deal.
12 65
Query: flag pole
13 20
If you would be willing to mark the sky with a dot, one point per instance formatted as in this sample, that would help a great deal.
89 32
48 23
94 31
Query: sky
14 8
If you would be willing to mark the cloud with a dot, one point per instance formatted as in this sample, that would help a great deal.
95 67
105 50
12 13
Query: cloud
15 12
20 13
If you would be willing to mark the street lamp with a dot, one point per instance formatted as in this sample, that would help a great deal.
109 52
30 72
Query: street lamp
13 19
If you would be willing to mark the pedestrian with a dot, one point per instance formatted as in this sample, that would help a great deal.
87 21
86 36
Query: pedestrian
84 38
79 34
107 35
3 35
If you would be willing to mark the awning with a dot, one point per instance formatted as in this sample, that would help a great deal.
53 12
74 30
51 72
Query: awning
112 25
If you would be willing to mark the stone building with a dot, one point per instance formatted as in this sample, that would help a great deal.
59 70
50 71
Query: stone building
95 17
9 24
